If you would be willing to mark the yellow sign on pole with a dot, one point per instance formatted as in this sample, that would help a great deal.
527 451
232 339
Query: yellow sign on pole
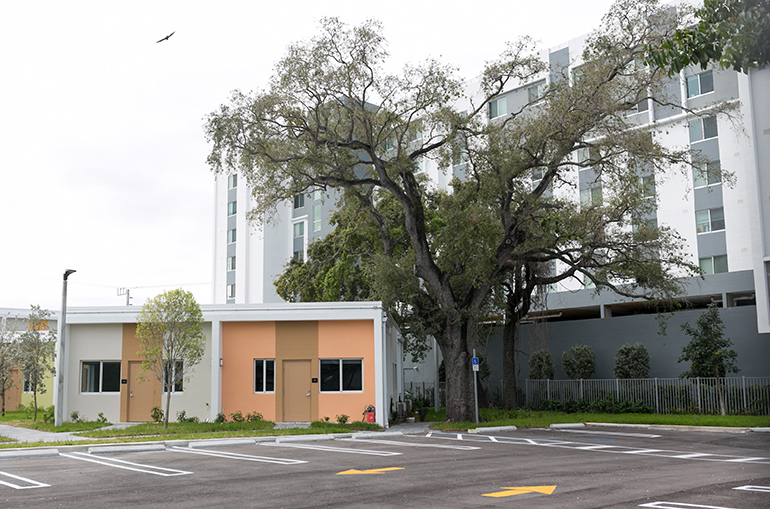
546 490
373 471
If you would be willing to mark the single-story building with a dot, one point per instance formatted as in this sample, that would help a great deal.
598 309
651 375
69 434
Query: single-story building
288 362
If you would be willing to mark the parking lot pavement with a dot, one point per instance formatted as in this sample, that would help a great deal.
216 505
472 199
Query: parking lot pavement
525 468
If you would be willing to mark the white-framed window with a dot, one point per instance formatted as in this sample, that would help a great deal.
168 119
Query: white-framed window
418 165
650 223
232 181
231 263
587 155
316 218
299 256
299 229
231 291
640 107
342 375
497 107
703 129
173 369
535 92
317 194
710 220
707 174
27 385
231 235
699 84
232 208
264 375
591 196
648 187
100 376
299 201
713 264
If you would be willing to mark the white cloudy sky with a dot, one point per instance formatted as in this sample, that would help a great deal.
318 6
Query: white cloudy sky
102 153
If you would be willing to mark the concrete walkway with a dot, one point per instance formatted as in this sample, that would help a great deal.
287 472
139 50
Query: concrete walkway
33 435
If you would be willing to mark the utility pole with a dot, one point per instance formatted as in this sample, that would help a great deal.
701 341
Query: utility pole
127 293
60 364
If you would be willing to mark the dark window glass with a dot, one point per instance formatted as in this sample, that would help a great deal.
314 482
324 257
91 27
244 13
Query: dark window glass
111 377
90 382
330 375
352 375
269 376
259 375
709 127
706 82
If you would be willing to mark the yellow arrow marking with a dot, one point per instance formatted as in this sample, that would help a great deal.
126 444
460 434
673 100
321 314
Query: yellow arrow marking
373 471
546 490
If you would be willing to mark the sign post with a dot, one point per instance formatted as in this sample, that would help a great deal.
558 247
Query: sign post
475 362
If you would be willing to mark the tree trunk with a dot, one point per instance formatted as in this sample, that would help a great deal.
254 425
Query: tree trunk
2 395
719 392
168 405
34 401
459 374
510 391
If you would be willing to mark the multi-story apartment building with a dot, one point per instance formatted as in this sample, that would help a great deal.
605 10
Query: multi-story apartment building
726 226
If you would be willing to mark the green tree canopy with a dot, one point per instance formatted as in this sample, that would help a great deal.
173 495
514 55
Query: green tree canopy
333 118
579 362
732 33
170 332
8 355
35 352
541 365
632 361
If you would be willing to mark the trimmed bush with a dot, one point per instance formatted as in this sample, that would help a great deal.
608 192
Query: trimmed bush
579 362
541 365
632 361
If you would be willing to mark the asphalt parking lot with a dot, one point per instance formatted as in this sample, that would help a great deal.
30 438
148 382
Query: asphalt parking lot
570 468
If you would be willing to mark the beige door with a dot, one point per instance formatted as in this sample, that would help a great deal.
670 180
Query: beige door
296 391
140 395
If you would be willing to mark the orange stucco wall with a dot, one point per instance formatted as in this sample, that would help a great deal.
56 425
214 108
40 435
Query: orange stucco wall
129 349
347 339
242 342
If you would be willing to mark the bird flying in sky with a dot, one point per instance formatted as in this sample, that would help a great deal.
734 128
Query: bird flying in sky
166 38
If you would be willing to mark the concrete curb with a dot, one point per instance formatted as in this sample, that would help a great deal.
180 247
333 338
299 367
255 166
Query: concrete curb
302 438
760 430
376 434
568 425
493 429
28 453
161 446
677 427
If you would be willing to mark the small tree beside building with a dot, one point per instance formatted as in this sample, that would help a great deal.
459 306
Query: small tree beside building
579 362
541 365
170 332
35 352
632 361
8 348
708 351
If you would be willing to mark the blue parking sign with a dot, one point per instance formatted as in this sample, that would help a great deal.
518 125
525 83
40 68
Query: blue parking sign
475 362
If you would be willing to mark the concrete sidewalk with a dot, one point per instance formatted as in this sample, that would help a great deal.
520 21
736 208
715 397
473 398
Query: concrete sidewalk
33 435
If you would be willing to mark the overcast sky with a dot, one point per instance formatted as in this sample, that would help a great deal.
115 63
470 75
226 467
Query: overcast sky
102 153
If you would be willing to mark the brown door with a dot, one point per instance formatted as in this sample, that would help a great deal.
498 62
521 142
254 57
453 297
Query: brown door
140 395
296 391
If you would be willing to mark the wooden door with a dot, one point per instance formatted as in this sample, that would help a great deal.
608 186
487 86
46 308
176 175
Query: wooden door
296 391
141 396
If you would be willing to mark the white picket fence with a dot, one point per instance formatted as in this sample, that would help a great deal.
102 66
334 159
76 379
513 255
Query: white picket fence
742 395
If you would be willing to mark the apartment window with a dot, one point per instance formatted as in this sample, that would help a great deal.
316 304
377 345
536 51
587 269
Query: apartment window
341 375
100 376
587 155
591 196
497 107
231 263
232 181
702 83
231 291
418 165
710 220
232 208
231 236
299 256
299 229
317 194
648 187
641 106
703 129
713 264
171 371
299 201
316 218
264 375
27 385
536 92
707 174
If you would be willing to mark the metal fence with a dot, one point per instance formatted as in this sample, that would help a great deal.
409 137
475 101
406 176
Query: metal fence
742 395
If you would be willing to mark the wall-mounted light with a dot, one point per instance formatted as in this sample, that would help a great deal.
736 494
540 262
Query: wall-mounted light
221 361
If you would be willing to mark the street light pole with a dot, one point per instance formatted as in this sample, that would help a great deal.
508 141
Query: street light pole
60 364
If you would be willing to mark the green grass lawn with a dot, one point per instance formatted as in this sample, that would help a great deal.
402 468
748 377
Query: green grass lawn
538 419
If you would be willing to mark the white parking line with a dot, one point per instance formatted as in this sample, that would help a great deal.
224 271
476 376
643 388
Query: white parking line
680 505
761 489
32 484
331 449
238 456
137 467
407 444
